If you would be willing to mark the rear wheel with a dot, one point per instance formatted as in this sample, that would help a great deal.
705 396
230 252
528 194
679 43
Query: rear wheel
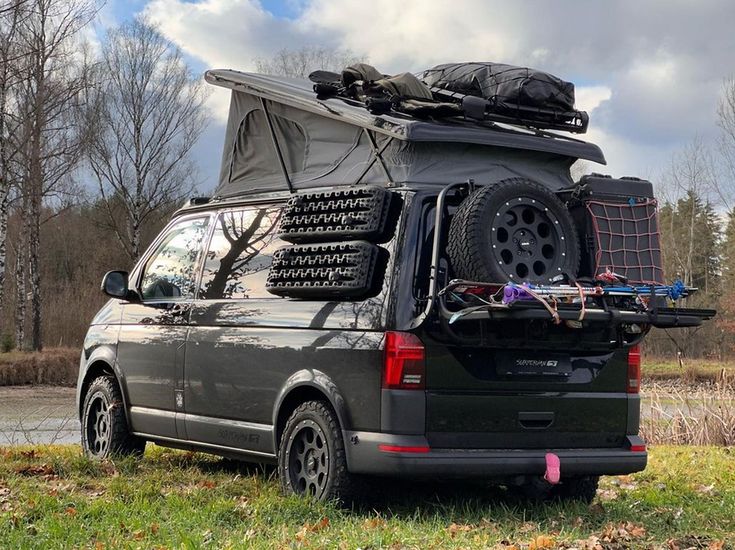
515 230
311 455
105 431
583 488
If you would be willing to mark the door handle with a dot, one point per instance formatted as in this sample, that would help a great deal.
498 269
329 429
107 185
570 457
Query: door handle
536 420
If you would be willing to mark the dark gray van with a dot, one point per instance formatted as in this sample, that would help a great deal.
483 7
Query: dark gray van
332 309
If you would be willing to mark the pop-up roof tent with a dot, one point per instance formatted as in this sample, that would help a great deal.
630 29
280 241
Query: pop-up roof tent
280 136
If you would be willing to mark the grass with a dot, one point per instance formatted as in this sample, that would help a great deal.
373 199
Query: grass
51 497
52 366
691 370
689 415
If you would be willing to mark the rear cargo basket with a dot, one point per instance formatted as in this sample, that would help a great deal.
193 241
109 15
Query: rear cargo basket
627 240
356 213
323 270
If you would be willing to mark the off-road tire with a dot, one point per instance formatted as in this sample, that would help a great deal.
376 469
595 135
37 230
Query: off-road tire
489 241
105 431
583 488
338 484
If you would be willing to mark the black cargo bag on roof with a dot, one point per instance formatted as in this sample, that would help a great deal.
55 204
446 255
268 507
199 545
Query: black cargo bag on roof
504 84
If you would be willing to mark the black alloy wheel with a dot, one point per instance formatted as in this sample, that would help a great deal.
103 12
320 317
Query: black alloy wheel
105 431
311 455
527 242
98 426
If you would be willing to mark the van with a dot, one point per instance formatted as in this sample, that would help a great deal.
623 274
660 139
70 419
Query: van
332 309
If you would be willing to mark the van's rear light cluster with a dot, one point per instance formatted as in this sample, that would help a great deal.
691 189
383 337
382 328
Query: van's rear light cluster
404 366
634 370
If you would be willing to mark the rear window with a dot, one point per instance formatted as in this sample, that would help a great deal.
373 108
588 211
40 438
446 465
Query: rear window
240 254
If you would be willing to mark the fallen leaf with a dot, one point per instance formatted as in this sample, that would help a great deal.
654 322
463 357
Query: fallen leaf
454 528
36 470
138 535
311 528
206 484
242 503
541 541
154 528
321 524
29 454
716 545
527 527
71 511
374 523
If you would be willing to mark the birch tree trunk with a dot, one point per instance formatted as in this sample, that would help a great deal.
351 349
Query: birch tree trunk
20 293
51 99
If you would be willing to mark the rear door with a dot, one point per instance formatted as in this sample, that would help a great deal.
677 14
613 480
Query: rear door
524 397
518 384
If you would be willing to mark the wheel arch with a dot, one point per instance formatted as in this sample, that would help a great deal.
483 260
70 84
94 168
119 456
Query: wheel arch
306 385
99 366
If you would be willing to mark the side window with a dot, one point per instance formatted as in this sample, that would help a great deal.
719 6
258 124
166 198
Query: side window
240 254
170 272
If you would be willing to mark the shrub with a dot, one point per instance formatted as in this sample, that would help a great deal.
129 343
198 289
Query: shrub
7 342
53 366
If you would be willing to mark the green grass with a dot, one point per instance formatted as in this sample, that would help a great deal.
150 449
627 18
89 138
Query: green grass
53 498
692 370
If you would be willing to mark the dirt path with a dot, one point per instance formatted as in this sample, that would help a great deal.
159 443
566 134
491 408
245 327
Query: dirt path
37 414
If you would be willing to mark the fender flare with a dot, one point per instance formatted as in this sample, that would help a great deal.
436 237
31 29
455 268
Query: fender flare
317 380
108 356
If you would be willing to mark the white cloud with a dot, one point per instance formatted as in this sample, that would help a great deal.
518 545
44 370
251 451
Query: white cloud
588 98
648 72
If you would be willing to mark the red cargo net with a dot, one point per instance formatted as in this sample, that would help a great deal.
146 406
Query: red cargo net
627 240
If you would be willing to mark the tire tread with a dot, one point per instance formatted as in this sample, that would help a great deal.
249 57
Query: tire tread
465 243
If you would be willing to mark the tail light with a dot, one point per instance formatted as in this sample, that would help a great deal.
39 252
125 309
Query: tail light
634 369
404 367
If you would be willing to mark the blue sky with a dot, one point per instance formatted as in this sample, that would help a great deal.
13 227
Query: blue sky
649 71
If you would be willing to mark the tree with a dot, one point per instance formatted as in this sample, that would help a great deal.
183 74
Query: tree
11 57
49 101
726 141
300 62
691 229
146 116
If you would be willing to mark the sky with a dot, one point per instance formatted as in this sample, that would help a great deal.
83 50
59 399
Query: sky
649 72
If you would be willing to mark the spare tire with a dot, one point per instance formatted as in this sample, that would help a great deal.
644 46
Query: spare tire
514 230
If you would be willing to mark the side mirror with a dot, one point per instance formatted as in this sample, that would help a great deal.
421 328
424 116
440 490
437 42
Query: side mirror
115 284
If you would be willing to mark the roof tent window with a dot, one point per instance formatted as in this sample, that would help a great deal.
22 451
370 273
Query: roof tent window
253 156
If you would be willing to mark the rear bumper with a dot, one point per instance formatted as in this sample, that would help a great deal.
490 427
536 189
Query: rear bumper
364 456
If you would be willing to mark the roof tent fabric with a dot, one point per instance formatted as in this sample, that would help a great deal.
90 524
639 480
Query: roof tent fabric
326 142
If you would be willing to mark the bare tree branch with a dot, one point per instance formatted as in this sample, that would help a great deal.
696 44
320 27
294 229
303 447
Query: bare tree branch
145 117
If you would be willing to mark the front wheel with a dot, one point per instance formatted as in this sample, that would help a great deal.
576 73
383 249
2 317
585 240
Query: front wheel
311 455
105 431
